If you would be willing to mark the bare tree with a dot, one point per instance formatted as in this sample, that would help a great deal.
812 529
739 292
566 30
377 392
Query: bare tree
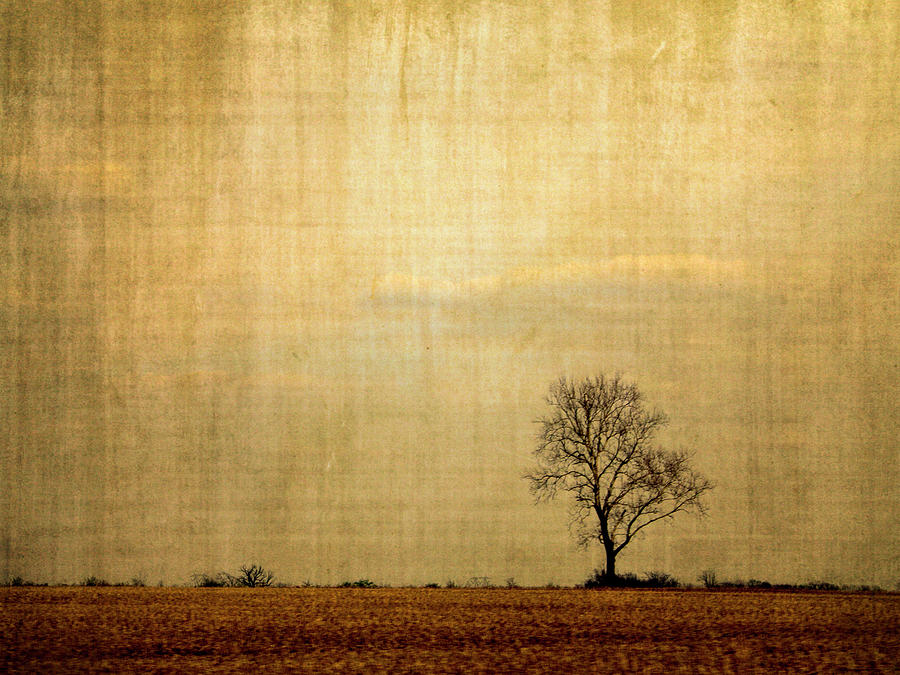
253 576
598 445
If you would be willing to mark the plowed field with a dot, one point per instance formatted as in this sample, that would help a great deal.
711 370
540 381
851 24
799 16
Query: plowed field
444 630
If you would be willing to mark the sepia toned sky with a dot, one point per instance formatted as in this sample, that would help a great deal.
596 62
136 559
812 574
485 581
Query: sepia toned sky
287 282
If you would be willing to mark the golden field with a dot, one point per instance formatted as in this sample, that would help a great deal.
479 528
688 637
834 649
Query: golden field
71 629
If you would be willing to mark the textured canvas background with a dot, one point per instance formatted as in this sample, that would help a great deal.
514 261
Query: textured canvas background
286 282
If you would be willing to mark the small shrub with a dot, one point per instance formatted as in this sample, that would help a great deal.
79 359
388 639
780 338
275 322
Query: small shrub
137 581
220 580
479 582
867 588
821 586
630 580
596 580
21 581
511 583
656 579
249 576
551 585
756 583
708 578
432 585
450 584
94 581
359 583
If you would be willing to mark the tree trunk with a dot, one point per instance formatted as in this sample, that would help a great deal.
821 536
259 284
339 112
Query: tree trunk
610 574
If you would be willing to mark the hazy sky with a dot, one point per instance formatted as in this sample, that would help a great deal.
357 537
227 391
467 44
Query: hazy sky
287 282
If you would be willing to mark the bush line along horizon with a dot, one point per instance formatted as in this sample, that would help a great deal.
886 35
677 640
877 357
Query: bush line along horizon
653 579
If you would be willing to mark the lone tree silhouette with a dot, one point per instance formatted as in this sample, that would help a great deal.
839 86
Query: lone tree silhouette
597 443
253 576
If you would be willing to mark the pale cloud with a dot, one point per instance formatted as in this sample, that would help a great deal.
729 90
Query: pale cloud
693 269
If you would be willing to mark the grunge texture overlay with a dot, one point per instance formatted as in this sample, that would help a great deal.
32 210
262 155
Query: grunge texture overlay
287 282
